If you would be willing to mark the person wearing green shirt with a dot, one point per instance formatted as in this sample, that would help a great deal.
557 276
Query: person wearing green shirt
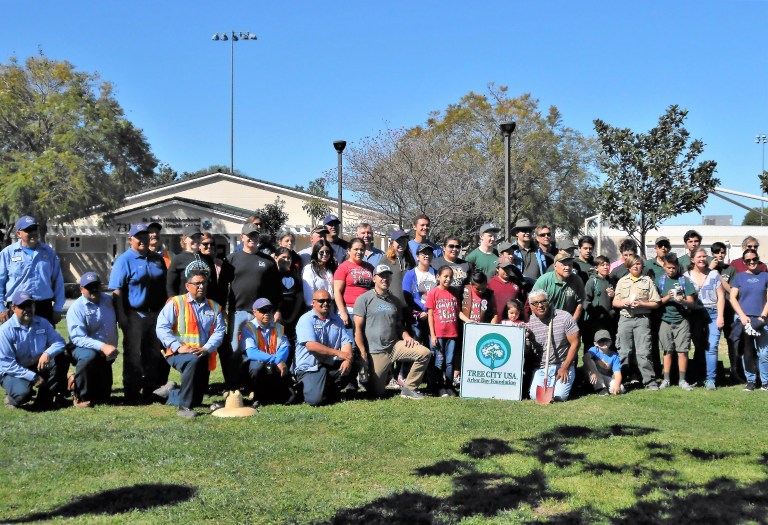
564 288
484 257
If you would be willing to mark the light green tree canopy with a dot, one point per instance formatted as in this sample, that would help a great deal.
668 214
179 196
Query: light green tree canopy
452 167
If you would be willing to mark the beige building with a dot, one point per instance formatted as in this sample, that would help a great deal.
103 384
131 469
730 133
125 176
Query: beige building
217 203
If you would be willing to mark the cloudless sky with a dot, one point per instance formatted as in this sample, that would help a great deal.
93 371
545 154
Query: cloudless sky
322 71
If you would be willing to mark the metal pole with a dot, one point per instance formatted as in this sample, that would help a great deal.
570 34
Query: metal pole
506 128
232 104
339 146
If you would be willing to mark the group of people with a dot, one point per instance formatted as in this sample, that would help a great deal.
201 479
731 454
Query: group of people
286 326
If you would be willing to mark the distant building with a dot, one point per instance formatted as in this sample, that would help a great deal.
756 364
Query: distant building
217 203
717 220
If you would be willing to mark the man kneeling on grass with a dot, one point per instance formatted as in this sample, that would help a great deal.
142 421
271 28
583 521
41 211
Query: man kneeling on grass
380 330
560 329
265 350
325 363
31 355
191 329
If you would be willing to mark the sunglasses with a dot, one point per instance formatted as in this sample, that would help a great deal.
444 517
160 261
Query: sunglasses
323 252
197 285
265 310
453 246
539 303
753 260
753 246
207 244
545 235
322 301
663 245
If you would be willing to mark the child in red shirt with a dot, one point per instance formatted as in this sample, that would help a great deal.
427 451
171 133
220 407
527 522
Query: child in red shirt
443 316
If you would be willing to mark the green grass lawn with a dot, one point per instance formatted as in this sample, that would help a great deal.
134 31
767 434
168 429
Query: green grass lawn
654 457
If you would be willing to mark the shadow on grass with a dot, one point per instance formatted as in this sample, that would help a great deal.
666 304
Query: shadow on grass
663 494
116 501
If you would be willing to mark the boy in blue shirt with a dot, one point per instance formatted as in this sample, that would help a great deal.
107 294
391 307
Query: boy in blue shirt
603 365
677 295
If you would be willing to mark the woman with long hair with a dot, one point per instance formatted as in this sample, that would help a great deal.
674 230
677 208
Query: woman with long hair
707 318
748 298
352 279
318 274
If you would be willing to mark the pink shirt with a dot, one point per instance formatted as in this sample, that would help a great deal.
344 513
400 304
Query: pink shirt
358 279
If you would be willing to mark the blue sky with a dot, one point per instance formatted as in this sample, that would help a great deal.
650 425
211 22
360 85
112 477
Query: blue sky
322 71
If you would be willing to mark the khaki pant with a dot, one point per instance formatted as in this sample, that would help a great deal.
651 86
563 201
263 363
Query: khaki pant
381 363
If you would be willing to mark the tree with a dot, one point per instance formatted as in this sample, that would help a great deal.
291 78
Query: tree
316 208
273 216
452 167
65 144
213 168
753 218
654 176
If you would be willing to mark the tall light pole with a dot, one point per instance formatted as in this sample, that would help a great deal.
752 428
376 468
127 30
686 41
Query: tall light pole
506 129
232 36
339 146
762 139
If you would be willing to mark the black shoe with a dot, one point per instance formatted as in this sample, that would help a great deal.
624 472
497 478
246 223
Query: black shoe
216 405
451 392
749 387
603 392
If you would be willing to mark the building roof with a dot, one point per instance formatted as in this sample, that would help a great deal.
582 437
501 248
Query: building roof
191 181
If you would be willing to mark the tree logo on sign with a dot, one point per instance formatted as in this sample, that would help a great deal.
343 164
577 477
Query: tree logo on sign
493 351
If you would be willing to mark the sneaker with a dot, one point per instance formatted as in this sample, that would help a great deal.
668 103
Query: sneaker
652 386
400 381
457 381
684 385
749 387
710 385
164 391
442 392
664 384
764 388
451 392
410 394
186 413
603 392
8 404
81 404
216 405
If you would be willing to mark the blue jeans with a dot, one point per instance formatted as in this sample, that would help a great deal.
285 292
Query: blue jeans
443 359
755 349
194 380
93 375
706 336
562 390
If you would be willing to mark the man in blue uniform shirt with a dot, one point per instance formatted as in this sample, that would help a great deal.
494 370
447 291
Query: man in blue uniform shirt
92 327
138 280
32 266
31 355
191 328
324 358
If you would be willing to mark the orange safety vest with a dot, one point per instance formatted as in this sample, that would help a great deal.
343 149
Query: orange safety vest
275 336
186 328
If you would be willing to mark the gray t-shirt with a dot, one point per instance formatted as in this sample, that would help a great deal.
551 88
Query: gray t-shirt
383 316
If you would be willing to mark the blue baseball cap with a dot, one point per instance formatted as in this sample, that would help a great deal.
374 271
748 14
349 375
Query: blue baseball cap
397 234
20 297
25 222
137 228
258 304
329 219
89 278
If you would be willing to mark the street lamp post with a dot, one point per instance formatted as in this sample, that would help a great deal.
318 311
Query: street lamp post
339 146
762 139
506 129
232 36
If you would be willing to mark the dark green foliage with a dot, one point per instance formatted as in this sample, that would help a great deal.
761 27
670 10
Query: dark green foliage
654 176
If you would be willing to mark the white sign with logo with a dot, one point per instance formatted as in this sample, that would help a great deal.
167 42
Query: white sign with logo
492 364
